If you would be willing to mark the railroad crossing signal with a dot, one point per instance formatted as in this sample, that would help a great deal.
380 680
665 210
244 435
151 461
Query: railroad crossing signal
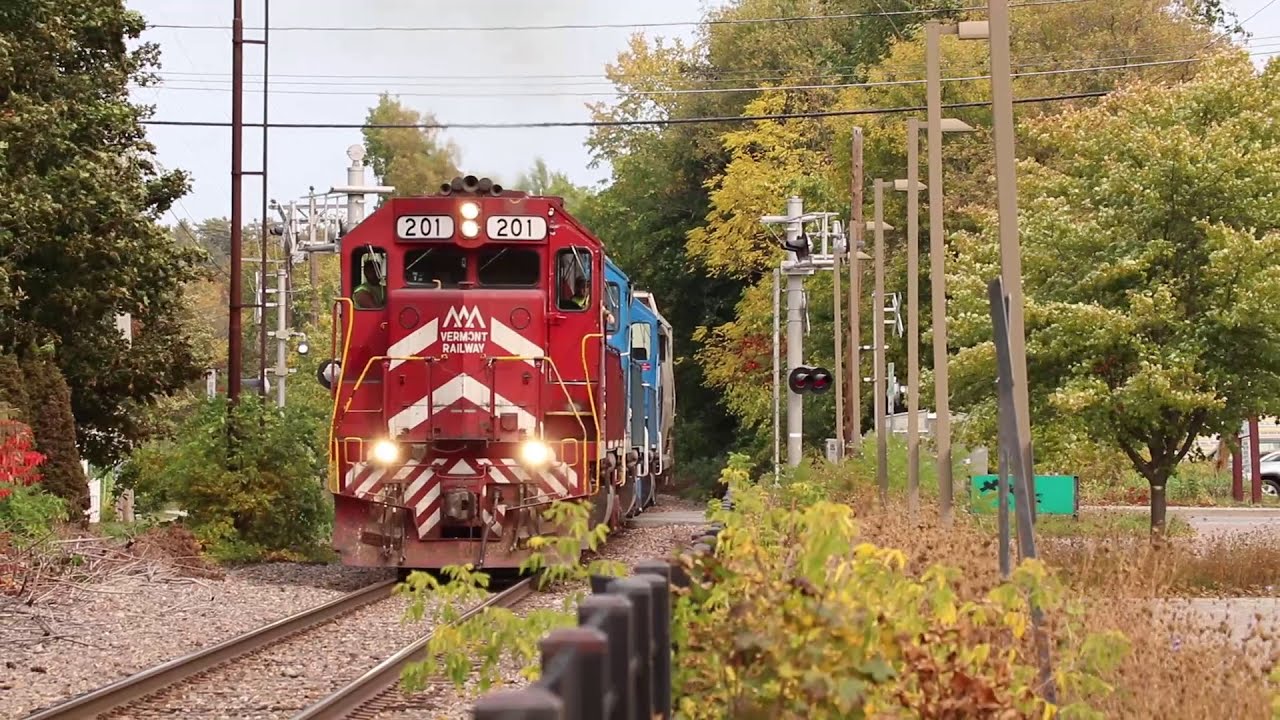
816 380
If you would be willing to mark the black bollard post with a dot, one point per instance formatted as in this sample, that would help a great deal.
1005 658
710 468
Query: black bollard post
613 614
640 668
573 660
660 647
532 703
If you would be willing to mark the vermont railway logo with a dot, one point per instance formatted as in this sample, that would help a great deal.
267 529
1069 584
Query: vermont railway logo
463 331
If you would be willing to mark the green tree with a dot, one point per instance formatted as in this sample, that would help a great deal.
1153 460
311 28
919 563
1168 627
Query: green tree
413 160
78 232
13 389
55 434
539 180
1150 268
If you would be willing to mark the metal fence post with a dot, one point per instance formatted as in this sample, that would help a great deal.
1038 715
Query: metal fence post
660 637
531 703
581 686
613 614
640 593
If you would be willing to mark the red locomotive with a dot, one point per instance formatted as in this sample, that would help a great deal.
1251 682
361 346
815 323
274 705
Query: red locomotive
483 369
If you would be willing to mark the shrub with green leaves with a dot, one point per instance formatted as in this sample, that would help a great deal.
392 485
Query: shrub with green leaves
264 498
477 645
28 513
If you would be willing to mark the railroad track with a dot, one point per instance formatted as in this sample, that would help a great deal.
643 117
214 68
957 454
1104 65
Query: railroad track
369 694
178 670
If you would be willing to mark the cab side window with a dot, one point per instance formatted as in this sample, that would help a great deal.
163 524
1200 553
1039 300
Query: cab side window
369 278
641 341
573 279
612 301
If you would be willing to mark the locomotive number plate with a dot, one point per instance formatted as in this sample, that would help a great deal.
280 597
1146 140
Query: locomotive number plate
516 227
424 227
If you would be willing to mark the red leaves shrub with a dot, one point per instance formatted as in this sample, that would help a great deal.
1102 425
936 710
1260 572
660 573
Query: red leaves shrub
19 462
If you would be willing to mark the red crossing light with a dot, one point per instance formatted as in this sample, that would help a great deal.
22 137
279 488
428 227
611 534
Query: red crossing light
803 379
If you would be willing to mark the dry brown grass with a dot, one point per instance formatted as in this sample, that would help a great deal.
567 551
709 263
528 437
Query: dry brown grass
1207 657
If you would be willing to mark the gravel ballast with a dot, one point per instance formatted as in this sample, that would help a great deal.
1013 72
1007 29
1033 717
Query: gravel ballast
106 630
103 632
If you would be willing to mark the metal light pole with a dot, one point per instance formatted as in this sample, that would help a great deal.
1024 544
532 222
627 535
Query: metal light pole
836 324
937 250
777 403
795 336
1007 207
857 231
882 442
912 187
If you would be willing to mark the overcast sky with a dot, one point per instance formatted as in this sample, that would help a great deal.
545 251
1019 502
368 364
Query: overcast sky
431 71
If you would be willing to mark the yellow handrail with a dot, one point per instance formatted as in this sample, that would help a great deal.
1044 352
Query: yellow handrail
595 418
334 484
567 396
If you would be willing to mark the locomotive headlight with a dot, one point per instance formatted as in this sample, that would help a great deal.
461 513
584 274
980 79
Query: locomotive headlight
536 454
469 210
470 228
385 452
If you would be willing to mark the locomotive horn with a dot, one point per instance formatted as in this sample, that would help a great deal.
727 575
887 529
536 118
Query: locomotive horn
445 188
456 184
497 189
470 183
485 185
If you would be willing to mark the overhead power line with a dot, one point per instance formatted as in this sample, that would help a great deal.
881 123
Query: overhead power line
614 26
710 91
616 123
709 75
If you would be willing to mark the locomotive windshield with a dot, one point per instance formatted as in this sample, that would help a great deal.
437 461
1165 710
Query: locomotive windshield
435 267
508 267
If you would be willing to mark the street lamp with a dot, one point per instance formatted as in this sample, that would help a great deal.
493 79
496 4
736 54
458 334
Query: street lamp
969 30
911 185
1010 253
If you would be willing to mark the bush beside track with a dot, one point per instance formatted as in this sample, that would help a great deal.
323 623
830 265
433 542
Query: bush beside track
818 603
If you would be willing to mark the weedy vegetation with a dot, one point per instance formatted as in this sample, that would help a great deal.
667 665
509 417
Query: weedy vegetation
819 603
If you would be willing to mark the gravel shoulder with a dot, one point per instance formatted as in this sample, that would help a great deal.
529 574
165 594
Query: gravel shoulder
101 632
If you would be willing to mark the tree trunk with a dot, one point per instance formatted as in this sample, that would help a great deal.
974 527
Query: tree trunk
1159 506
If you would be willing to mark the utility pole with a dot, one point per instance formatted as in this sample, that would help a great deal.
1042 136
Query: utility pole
937 277
795 335
1010 253
234 353
912 189
857 233
882 446
777 361
838 326
235 357
968 30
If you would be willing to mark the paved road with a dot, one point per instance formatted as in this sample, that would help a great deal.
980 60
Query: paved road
1212 520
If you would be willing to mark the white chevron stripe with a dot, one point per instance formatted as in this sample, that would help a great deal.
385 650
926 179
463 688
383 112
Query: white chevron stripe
513 342
426 526
432 495
415 342
460 387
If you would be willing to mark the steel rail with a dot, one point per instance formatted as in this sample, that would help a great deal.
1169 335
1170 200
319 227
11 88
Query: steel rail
347 701
160 677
